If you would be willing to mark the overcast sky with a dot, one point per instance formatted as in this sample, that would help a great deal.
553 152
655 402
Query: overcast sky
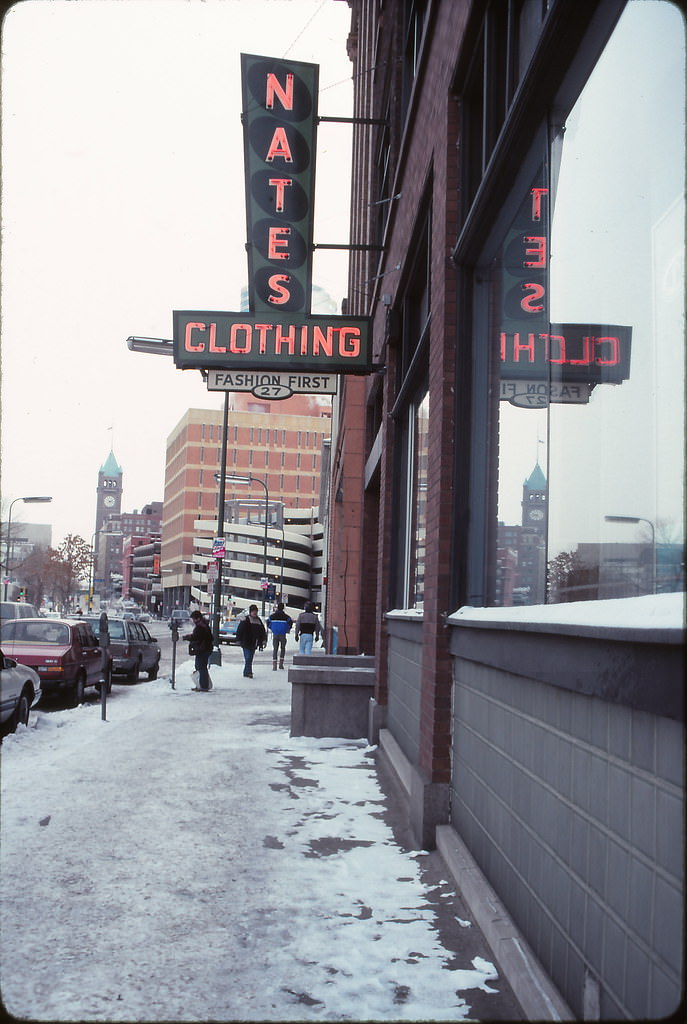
123 199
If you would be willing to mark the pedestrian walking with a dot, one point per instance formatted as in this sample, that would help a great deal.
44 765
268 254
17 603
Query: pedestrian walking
279 623
252 636
307 628
200 644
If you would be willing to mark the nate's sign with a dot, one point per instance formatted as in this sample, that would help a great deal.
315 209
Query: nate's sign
279 144
278 333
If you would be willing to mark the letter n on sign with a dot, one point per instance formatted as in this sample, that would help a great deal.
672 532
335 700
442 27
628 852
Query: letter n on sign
279 139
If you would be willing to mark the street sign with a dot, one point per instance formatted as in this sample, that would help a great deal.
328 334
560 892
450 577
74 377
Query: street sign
218 547
272 385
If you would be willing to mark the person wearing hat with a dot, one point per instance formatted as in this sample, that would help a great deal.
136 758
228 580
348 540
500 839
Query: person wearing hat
200 644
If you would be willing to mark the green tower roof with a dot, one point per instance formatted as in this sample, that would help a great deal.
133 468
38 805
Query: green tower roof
536 480
110 466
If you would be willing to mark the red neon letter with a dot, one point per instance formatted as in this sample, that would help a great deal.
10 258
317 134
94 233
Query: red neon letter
538 250
213 346
528 303
561 348
526 347
279 146
262 330
285 339
537 194
276 242
586 360
322 341
282 293
614 357
285 96
349 341
188 346
234 339
279 184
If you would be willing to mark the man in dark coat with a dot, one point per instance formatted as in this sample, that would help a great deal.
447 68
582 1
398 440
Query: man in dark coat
251 634
201 640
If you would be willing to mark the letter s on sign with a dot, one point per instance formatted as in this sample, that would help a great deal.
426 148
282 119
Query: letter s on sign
277 283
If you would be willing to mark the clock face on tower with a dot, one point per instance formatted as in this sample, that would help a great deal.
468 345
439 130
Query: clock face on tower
109 500
536 514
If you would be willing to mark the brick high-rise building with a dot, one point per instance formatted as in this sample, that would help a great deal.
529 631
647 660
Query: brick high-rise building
278 443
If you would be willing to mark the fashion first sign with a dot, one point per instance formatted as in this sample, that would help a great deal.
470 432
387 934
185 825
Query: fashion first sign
278 332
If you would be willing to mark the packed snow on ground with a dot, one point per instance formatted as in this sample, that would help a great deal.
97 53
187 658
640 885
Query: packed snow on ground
187 860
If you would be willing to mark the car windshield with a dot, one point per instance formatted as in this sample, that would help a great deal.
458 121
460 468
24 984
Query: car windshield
31 631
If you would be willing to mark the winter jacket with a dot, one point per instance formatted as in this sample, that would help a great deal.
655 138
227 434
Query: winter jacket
251 633
202 635
280 623
308 622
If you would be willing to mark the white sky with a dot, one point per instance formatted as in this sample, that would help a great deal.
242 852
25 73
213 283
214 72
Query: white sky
123 199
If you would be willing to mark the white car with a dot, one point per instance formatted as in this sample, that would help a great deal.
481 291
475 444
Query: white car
20 689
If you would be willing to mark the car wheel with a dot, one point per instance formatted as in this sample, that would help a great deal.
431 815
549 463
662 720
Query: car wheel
78 689
133 674
20 715
152 672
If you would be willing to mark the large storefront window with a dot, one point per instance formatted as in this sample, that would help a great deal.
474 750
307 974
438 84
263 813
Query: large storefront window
582 296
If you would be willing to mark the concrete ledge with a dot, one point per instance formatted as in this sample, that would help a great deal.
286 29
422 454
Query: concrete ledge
330 695
531 985
335 661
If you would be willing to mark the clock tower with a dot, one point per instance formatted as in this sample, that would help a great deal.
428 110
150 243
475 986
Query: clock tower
534 504
109 501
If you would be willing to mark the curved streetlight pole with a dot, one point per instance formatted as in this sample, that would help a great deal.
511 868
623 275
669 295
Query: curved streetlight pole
641 519
28 501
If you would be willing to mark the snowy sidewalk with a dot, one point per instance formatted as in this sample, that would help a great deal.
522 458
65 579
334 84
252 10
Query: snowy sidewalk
186 860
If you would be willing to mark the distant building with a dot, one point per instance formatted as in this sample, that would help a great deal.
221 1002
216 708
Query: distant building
278 443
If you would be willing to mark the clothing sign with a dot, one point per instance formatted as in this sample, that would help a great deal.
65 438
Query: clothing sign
278 333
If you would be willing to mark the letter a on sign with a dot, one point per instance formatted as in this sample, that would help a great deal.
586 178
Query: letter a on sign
279 129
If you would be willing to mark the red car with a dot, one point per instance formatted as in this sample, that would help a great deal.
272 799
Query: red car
66 655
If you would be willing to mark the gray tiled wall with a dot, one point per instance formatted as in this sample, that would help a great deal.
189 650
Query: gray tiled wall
403 715
573 807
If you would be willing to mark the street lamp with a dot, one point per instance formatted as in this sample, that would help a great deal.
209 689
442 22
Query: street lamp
250 479
28 501
635 520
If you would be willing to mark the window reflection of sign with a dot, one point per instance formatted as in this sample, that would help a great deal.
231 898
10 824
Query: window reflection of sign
542 362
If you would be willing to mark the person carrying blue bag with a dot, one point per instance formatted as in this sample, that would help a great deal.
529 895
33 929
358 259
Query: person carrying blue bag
279 623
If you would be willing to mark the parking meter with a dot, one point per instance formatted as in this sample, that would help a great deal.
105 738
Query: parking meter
104 636
175 637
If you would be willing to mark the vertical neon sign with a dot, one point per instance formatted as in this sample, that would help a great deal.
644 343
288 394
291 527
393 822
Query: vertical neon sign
279 126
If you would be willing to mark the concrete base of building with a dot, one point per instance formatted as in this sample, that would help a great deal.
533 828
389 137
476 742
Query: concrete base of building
531 984
428 802
532 987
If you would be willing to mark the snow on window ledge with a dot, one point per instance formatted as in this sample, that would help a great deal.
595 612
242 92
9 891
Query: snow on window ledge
650 612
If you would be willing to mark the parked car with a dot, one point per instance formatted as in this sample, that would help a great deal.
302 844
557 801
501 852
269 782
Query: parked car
20 689
65 654
179 617
132 648
227 630
16 610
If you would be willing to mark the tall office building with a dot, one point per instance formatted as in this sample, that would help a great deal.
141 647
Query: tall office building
280 445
